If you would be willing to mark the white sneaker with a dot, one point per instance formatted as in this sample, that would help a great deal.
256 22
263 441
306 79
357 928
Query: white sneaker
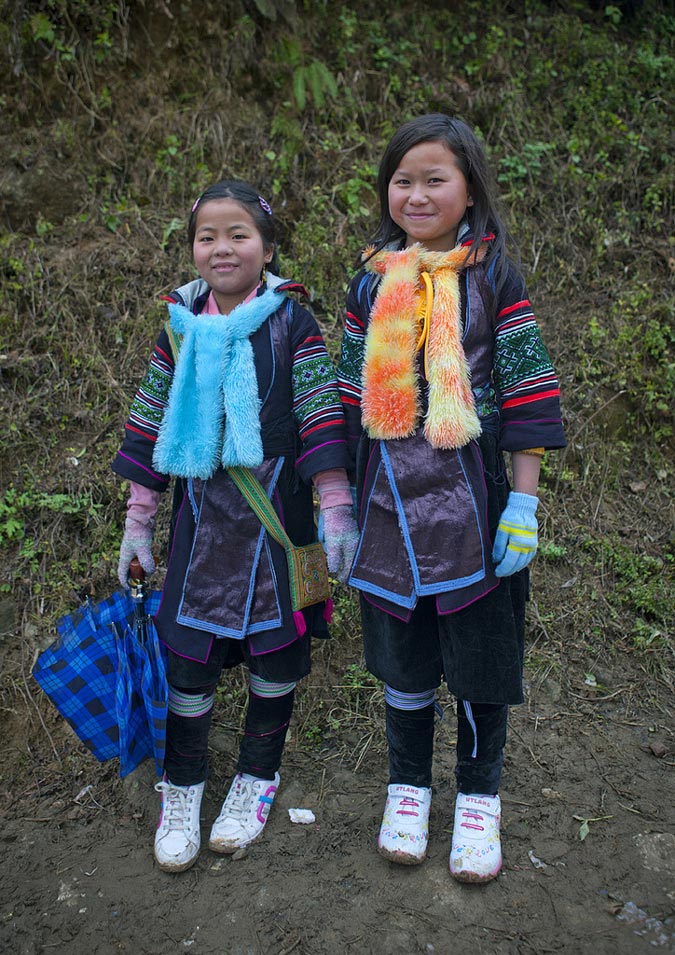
404 832
476 854
178 838
244 813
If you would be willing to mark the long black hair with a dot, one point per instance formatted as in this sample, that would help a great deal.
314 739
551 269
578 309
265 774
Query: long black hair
257 207
483 216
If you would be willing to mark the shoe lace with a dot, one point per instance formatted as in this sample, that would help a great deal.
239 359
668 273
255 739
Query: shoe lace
238 804
408 807
176 804
472 820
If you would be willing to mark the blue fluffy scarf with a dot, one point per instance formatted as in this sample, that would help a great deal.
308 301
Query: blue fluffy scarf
213 413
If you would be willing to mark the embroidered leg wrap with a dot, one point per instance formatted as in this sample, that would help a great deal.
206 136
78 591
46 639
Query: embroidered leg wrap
270 706
187 734
481 736
410 734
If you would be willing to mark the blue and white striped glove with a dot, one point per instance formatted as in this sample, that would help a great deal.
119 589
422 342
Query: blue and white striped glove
516 539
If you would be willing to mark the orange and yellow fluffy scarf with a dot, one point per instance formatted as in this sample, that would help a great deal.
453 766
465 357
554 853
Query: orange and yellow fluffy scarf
390 401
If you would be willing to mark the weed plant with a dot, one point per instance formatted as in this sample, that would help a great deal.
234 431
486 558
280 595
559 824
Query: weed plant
117 115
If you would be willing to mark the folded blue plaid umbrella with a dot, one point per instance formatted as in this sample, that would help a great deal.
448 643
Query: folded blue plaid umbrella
105 674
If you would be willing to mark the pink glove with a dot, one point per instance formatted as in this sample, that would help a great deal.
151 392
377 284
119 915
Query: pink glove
138 528
137 542
341 538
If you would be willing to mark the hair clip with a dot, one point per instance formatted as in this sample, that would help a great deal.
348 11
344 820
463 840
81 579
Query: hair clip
265 206
195 205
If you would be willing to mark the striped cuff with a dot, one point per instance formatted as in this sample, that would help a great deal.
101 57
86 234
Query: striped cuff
408 701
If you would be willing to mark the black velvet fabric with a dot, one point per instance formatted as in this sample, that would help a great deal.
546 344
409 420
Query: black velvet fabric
260 751
264 735
410 734
477 650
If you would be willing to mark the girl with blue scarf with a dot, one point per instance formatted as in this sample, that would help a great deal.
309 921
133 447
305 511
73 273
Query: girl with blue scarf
240 376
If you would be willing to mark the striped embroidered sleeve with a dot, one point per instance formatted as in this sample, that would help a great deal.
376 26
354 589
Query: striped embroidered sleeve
316 401
134 459
524 377
351 359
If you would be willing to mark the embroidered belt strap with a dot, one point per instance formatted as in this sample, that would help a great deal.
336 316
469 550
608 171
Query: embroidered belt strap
307 570
254 492
175 340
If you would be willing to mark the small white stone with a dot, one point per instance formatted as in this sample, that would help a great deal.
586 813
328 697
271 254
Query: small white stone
302 815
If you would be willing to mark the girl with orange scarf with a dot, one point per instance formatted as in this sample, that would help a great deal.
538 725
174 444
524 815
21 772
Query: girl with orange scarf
442 370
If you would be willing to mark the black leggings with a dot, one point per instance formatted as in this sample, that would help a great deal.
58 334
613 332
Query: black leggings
186 762
481 735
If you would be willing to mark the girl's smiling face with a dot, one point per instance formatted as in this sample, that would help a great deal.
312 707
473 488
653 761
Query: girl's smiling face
429 195
228 251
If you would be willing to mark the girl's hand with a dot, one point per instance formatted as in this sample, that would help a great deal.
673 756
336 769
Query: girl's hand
516 539
137 542
341 538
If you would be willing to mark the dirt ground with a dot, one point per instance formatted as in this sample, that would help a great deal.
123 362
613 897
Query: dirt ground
588 823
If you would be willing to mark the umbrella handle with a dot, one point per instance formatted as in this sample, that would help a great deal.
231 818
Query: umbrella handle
136 571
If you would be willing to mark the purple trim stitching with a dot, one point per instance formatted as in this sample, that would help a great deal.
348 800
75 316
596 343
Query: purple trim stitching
317 448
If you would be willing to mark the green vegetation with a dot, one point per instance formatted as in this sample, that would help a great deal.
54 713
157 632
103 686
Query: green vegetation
117 115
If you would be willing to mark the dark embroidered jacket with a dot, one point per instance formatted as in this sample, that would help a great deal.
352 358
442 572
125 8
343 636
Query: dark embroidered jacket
225 577
422 511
